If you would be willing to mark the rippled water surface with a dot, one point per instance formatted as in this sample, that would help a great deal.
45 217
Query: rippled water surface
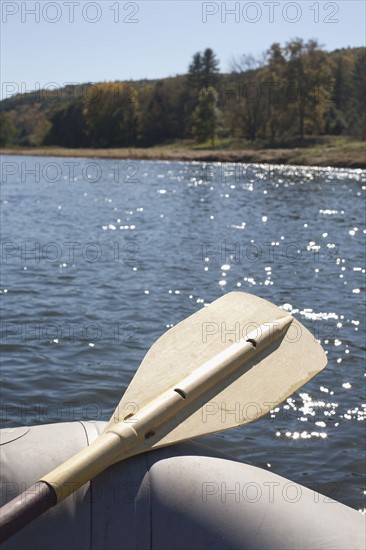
99 258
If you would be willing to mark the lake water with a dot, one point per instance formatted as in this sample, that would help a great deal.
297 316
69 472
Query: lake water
100 257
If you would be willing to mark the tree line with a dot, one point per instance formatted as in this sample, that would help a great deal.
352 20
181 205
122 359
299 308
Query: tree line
287 94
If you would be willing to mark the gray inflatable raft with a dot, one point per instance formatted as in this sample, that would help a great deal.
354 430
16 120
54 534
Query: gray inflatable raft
178 497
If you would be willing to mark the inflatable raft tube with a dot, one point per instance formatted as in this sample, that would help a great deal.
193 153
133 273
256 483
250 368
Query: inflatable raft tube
178 497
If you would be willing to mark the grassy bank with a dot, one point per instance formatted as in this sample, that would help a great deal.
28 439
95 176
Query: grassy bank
337 152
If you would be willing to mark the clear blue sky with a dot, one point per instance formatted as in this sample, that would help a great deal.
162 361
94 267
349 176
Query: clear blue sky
81 41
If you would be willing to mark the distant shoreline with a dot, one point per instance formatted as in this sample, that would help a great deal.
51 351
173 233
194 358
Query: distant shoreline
310 156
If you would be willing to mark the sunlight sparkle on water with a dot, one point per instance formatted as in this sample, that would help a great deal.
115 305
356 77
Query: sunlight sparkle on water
324 251
304 435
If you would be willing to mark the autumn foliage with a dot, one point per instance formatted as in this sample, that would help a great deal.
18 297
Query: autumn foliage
290 93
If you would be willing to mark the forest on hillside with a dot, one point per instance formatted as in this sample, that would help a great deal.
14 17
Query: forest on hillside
288 94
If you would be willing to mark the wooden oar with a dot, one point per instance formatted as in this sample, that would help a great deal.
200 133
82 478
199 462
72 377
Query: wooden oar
226 365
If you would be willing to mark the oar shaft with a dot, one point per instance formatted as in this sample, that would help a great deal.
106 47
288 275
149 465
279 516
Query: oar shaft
234 357
24 508
163 410
128 438
90 461
134 435
62 481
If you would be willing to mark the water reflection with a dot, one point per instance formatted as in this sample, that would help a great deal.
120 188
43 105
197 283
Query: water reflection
182 236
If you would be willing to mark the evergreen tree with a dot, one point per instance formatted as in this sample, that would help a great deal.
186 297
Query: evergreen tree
205 117
336 115
196 66
210 64
274 82
204 68
203 74
357 126
296 91
111 115
67 126
161 113
7 129
306 75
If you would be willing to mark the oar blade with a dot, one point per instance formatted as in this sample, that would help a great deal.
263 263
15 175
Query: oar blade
286 365
209 373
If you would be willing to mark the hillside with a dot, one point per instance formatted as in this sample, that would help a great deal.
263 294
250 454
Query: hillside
296 97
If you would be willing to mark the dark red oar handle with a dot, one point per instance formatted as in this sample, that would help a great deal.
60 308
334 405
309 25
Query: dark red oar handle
24 508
